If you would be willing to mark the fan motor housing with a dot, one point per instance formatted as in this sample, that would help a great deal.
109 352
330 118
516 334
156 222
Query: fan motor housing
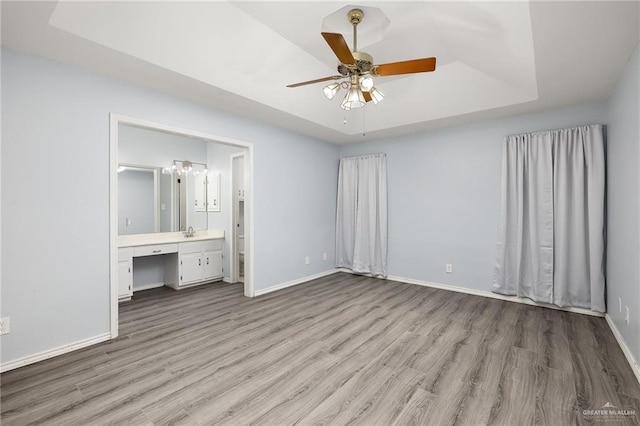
364 63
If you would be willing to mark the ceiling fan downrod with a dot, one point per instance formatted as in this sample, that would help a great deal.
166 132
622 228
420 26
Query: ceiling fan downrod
355 17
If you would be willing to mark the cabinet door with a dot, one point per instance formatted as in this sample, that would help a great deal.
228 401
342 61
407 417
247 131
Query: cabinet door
191 269
125 279
213 192
212 264
238 170
200 193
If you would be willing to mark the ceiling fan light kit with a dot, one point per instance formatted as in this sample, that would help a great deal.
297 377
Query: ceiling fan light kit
331 90
376 95
357 69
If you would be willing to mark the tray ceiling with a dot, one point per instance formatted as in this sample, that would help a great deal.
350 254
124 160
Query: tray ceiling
494 58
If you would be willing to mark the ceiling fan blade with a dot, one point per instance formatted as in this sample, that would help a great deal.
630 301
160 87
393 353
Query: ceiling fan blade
339 46
405 67
304 83
367 96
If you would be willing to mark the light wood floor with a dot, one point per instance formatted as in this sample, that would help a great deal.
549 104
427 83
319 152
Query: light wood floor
340 350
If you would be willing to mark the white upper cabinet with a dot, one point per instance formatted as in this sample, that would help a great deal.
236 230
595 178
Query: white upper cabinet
213 192
200 193
238 178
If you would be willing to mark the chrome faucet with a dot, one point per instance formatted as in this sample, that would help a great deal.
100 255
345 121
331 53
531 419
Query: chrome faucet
190 232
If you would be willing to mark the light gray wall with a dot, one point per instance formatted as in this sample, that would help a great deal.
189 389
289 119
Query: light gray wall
623 203
147 147
55 237
444 195
219 159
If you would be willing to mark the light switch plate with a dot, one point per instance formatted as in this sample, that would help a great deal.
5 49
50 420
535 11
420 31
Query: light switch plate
5 326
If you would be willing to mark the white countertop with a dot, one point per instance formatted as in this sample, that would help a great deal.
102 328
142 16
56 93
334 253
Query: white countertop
167 237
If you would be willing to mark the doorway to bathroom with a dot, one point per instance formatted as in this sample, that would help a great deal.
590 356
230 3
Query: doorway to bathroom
223 207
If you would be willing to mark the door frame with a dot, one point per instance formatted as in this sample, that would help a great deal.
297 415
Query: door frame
115 120
234 261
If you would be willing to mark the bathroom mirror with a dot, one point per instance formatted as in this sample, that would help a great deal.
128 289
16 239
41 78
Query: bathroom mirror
138 200
152 195
154 199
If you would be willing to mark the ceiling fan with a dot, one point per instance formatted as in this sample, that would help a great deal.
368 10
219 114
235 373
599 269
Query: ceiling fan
358 69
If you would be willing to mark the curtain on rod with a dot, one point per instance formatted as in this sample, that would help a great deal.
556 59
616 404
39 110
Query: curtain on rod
361 217
551 233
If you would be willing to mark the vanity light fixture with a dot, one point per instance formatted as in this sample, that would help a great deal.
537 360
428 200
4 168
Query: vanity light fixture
184 167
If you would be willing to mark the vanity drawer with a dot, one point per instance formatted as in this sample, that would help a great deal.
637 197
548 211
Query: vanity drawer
155 249
200 246
210 245
125 254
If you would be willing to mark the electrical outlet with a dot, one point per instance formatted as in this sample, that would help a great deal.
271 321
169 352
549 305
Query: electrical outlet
626 314
307 260
5 325
620 303
324 256
448 268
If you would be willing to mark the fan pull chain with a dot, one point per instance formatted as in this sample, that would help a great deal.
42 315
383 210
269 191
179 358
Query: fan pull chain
364 121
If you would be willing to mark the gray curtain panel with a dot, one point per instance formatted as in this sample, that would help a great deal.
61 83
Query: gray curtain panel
551 235
361 217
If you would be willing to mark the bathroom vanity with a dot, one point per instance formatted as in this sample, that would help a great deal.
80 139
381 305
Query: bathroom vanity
187 261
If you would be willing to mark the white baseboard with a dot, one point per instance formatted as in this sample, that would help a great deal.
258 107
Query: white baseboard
226 280
294 282
31 359
625 349
147 286
494 296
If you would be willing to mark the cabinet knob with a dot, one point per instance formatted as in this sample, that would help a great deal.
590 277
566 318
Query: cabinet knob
207 260
199 262
156 251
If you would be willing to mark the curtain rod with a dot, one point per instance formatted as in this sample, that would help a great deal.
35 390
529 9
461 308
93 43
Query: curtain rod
556 130
381 154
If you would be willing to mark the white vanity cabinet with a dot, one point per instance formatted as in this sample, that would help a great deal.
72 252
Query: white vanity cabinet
199 262
125 273
187 261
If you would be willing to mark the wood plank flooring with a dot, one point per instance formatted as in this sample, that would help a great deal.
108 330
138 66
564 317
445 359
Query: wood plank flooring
340 350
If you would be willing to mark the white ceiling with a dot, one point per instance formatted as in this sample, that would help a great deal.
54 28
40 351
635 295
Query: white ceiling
494 58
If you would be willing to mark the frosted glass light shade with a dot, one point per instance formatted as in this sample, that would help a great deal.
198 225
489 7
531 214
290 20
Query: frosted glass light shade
331 90
366 83
353 99
376 95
